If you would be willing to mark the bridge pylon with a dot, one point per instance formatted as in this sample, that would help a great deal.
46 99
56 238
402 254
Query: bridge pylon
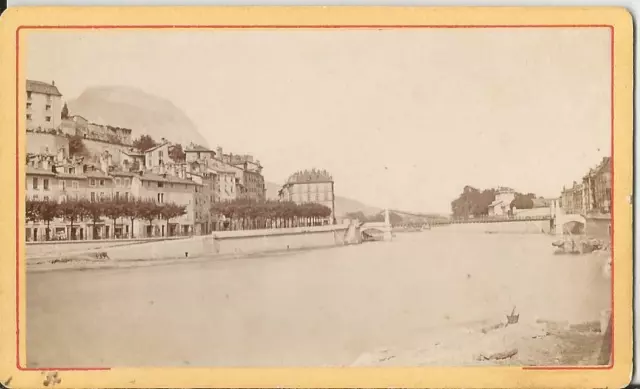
387 226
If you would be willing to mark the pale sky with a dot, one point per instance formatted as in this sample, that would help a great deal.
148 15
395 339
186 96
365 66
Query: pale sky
401 118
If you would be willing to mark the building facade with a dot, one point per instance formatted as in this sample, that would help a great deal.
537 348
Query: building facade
593 194
43 105
310 186
502 203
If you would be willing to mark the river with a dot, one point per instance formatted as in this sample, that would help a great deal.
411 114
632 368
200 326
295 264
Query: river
312 308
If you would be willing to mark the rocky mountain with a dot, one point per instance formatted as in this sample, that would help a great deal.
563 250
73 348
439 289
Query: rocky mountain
143 113
343 204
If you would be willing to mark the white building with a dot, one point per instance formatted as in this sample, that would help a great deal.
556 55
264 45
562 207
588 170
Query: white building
43 105
501 205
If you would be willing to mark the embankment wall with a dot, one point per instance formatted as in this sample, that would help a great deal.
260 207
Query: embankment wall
511 227
234 243
598 228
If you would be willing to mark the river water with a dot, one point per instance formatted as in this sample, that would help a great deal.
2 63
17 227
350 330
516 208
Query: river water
312 308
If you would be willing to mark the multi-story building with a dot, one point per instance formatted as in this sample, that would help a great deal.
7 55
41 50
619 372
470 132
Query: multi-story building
43 105
205 195
592 194
602 186
131 160
248 173
158 156
198 153
310 186
502 203
166 188
226 180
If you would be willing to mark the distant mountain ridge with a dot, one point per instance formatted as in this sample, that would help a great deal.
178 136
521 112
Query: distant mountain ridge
143 113
344 205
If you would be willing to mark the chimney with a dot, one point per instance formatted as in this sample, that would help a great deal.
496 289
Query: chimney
219 152
53 83
61 154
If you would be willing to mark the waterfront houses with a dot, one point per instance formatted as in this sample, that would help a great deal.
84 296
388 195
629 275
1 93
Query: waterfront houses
310 186
592 195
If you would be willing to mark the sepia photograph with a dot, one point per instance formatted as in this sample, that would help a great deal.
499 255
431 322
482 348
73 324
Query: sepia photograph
357 196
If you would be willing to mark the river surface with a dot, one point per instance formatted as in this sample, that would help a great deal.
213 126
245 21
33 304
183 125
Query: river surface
312 308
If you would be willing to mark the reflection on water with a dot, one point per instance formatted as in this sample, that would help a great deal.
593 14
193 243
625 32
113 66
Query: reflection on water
321 307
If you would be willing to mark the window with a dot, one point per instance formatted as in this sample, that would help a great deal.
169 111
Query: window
117 196
160 197
92 182
35 197
126 196
93 196
74 184
48 107
45 184
46 198
29 95
63 185
160 184
28 105
101 196
47 118
28 116
127 182
117 181
101 182
35 183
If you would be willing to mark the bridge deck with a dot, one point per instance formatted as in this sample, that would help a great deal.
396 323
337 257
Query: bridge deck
497 220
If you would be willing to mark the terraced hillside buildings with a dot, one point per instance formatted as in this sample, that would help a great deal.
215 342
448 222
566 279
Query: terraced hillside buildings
110 168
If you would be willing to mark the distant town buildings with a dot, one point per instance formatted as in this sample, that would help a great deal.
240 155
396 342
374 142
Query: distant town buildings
310 186
592 195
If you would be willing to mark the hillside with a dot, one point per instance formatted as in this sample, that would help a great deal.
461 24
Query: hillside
143 113
343 204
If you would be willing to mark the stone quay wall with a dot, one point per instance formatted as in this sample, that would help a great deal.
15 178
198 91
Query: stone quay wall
227 243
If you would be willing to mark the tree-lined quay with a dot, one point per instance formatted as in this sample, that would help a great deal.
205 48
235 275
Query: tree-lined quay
240 214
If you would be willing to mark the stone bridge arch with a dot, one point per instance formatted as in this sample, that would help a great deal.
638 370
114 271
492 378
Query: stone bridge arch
572 223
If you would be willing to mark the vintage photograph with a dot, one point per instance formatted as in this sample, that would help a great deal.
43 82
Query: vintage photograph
307 197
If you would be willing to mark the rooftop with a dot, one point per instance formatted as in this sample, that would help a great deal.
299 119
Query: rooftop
166 178
37 171
308 176
42 87
197 148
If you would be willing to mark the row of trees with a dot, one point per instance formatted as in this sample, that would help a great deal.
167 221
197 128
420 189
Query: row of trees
251 214
240 213
473 201
76 211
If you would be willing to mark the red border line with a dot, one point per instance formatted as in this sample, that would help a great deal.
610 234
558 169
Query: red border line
167 26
